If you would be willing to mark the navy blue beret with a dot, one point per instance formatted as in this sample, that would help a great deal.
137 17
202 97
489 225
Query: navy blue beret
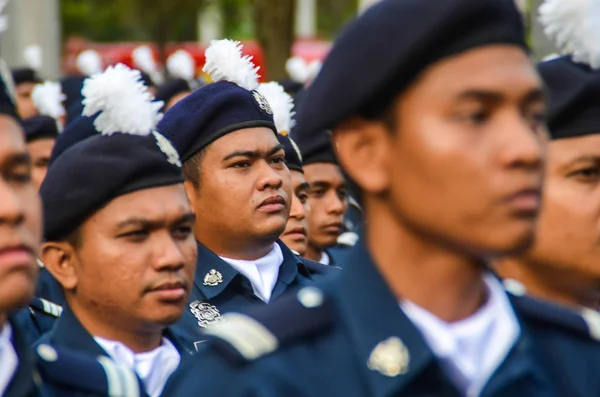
78 130
25 75
393 42
574 90
96 170
40 127
293 156
171 88
211 112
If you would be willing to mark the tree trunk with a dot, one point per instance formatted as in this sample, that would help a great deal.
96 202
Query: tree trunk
274 25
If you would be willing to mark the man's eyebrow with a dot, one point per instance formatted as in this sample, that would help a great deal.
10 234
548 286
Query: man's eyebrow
590 158
17 159
535 95
151 223
253 154
302 187
482 95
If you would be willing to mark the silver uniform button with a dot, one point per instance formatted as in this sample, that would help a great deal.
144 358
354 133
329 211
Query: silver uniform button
310 297
47 353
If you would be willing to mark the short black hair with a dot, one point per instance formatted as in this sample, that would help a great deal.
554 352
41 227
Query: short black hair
191 168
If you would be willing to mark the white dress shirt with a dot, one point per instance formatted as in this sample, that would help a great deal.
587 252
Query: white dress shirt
262 273
325 259
153 367
9 361
470 350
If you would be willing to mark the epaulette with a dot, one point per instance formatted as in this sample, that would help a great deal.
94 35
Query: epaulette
297 316
348 239
65 369
584 324
45 306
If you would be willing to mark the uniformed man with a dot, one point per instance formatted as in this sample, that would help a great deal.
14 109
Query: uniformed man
240 189
563 265
47 372
25 80
444 135
122 247
40 133
295 235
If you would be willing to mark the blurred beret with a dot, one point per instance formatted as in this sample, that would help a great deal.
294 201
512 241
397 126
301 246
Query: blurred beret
290 86
74 111
211 112
95 171
172 88
40 127
25 75
76 131
293 156
574 90
393 42
71 87
7 100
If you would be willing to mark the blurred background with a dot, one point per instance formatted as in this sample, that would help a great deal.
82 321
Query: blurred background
272 30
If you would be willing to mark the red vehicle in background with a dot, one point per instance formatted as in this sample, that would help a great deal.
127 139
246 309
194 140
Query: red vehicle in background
113 53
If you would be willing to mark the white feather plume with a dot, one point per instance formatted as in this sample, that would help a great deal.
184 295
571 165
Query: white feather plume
225 62
180 64
550 57
143 59
48 98
124 103
282 105
89 62
33 57
574 26
297 69
313 69
3 18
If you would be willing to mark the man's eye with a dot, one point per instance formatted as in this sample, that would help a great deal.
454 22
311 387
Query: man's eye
303 197
183 231
19 177
278 160
589 174
136 235
316 193
241 164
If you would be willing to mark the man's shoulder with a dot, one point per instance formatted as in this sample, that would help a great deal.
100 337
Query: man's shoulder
316 268
65 372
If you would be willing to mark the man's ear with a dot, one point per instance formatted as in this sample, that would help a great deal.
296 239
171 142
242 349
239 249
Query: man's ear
190 190
59 258
363 148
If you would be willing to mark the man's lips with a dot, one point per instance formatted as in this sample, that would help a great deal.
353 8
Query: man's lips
16 255
525 200
297 231
170 291
333 228
272 204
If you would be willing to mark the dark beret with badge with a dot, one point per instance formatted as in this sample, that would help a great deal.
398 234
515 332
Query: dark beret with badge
228 104
126 155
25 75
76 131
282 105
420 32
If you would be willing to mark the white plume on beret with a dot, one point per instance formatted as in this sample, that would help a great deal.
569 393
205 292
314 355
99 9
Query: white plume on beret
3 18
180 64
302 72
574 25
281 103
124 102
48 98
225 62
89 62
143 59
33 57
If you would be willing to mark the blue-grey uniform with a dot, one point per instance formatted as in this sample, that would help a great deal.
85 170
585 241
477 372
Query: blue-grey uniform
328 340
219 288
61 372
37 318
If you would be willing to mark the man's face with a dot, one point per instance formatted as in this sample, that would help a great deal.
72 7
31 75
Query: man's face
245 189
463 164
20 219
135 259
328 199
40 151
568 232
295 235
25 106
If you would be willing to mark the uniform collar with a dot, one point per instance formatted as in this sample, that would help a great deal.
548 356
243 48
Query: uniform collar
208 262
375 317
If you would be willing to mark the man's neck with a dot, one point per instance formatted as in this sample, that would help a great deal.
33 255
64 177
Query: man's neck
439 280
237 248
313 253
566 287
106 326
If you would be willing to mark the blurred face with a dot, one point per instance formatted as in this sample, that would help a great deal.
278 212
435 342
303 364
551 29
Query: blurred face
245 190
25 106
20 219
39 151
462 161
568 233
328 200
133 263
296 230
176 98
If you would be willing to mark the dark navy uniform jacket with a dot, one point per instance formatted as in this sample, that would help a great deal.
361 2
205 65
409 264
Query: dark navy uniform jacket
348 337
232 291
61 372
